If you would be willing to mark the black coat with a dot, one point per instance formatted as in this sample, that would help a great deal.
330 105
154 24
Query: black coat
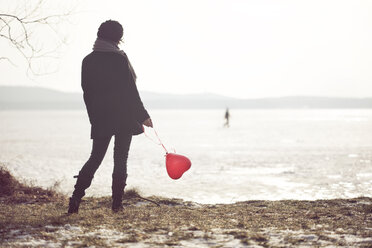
110 95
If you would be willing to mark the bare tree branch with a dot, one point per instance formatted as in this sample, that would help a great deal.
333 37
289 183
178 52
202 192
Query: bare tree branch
7 59
18 26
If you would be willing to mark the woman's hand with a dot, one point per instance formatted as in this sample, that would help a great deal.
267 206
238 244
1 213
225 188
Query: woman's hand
148 123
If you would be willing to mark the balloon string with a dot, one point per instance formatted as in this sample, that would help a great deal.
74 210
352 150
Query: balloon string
157 136
160 141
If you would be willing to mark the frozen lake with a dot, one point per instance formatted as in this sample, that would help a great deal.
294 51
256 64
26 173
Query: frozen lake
265 154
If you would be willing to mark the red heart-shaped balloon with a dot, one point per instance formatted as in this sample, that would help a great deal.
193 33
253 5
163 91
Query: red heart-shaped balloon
176 165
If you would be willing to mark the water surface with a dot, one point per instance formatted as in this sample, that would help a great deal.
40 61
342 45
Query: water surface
265 154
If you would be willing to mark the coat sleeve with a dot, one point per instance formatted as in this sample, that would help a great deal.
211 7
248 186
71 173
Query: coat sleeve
136 105
84 86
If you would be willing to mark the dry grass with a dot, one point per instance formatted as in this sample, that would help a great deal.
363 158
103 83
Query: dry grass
34 210
13 191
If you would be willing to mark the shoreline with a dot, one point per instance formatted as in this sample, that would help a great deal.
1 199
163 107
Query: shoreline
176 223
33 217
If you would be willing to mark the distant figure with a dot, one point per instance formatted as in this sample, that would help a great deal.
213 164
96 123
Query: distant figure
227 118
114 108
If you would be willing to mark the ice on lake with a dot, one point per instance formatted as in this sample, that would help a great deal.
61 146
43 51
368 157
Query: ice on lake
265 154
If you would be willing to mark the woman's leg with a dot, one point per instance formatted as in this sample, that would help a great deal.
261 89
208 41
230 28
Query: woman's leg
86 174
119 175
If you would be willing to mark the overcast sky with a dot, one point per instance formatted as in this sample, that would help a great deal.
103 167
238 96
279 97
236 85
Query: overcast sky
237 48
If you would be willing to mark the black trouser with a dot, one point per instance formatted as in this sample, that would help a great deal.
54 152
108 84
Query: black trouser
119 175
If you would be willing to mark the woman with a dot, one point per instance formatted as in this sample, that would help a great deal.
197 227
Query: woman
114 108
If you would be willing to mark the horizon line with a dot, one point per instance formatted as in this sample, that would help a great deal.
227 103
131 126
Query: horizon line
198 93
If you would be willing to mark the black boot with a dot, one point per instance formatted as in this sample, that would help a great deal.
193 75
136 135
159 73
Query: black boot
118 185
81 185
73 206
117 204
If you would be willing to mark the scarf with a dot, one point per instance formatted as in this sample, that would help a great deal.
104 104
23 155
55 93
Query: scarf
101 45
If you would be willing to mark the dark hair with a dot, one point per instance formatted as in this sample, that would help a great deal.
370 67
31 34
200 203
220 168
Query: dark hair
110 30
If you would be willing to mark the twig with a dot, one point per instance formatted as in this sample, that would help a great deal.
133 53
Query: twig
16 27
9 60
149 200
